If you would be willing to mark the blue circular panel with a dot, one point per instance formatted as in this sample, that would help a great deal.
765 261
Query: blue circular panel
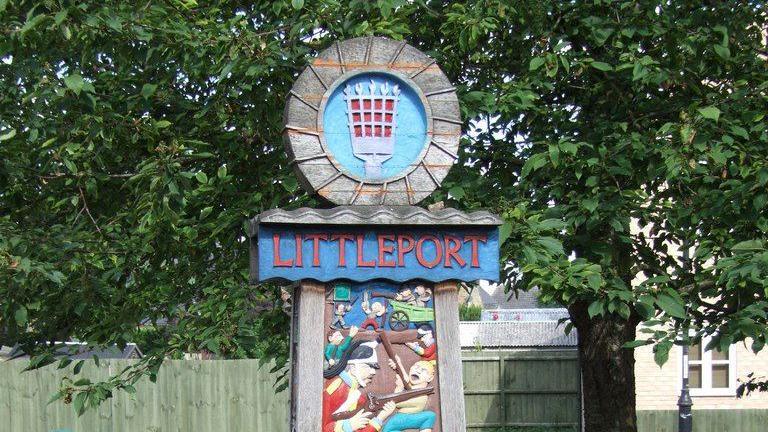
375 134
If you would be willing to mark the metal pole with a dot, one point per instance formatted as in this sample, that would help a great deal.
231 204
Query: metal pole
684 403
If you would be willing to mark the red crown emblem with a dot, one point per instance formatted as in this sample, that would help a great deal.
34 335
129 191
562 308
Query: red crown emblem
372 120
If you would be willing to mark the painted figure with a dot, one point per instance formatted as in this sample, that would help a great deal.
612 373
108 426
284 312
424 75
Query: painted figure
413 413
422 295
427 349
415 295
406 295
338 345
344 395
373 315
340 310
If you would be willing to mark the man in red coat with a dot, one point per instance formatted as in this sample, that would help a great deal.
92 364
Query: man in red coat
427 349
344 394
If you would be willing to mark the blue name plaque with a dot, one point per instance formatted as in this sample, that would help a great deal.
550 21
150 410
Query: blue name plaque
359 253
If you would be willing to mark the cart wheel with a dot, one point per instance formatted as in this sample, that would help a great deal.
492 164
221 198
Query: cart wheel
398 321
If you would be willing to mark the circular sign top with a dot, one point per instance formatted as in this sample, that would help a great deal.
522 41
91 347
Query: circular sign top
372 121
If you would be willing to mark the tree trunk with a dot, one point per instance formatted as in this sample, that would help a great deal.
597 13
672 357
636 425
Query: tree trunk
607 370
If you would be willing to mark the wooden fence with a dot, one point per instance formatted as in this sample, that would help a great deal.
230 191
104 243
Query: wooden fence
747 420
189 396
538 388
522 388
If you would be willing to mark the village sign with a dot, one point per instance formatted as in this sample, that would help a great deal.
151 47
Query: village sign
373 126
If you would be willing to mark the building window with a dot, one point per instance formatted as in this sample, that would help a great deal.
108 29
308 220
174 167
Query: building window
711 373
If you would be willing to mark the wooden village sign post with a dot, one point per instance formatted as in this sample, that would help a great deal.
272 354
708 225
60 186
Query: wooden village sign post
373 125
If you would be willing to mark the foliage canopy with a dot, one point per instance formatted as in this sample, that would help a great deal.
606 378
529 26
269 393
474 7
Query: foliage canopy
136 138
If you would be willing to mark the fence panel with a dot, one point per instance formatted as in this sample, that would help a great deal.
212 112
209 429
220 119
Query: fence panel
748 420
189 396
522 388
534 388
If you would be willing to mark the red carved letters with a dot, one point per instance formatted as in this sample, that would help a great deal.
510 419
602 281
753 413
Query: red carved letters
392 249
402 249
316 247
276 261
342 239
385 249
299 247
474 239
452 247
420 251
360 261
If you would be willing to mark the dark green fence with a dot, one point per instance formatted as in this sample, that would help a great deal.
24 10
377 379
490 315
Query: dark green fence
504 391
522 388
748 420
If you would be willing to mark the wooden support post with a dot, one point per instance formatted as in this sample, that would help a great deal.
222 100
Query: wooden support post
307 403
449 357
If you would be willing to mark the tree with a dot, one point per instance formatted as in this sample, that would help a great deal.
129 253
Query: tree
594 115
137 138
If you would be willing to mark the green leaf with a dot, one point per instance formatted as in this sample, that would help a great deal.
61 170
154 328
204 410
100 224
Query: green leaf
8 135
749 246
569 147
290 184
60 17
148 90
638 71
533 163
21 316
554 155
82 382
637 343
56 396
657 279
32 23
661 352
74 82
205 212
605 67
297 4
722 51
201 177
590 204
595 281
162 124
671 306
70 166
710 112
536 63
596 308
222 172
623 310
551 244
64 363
551 224
79 403
212 345
646 311
78 367
504 231
457 192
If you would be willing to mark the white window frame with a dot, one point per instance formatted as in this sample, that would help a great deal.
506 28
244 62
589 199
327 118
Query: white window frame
706 363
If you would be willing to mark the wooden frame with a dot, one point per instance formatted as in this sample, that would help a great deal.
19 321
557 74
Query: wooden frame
307 351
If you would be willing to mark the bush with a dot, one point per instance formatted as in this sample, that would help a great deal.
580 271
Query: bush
470 312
